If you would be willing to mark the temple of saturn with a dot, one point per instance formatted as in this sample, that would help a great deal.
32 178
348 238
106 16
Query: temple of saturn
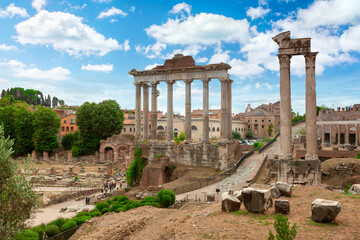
183 68
293 171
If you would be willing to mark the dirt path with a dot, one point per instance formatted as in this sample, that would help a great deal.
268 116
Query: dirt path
247 170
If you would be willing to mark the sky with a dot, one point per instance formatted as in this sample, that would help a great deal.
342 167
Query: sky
83 50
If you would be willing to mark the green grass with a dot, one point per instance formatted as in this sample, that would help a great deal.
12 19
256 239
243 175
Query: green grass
237 213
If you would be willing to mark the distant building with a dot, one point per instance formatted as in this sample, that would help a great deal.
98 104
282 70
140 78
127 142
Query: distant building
68 125
339 127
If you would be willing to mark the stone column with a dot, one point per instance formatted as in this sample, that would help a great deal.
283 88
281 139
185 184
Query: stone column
153 110
33 155
188 110
224 112
146 111
116 158
229 108
338 134
322 134
170 115
311 131
102 157
138 112
347 134
205 110
285 107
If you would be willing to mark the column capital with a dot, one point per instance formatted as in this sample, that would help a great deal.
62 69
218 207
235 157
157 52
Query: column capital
170 81
205 80
138 83
284 60
224 79
154 84
310 59
188 81
145 85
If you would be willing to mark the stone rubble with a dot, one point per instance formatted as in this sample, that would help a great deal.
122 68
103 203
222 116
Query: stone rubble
256 200
323 210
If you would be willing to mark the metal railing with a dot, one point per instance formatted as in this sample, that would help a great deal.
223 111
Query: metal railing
263 148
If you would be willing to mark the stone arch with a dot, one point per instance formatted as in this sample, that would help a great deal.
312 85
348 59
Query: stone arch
194 128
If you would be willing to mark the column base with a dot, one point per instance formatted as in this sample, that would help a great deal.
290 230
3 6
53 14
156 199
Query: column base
311 157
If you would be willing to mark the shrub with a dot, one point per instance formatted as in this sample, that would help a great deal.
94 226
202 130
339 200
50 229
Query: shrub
58 222
94 210
109 201
120 198
27 235
40 229
347 188
95 214
257 146
236 135
134 172
282 227
149 199
182 136
114 207
104 210
177 140
249 134
83 213
52 230
121 209
82 219
68 225
358 156
68 140
101 205
154 204
165 198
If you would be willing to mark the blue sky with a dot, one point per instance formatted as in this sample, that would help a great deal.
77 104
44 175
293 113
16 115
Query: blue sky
82 50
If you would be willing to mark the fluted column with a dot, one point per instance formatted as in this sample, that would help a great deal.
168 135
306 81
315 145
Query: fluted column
138 112
229 108
146 110
311 131
285 107
170 113
188 110
154 110
205 109
224 111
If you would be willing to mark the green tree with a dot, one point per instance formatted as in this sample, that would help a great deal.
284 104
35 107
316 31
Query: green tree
319 108
96 122
134 173
61 102
17 198
24 129
68 141
7 119
46 126
249 134
270 129
236 135
55 102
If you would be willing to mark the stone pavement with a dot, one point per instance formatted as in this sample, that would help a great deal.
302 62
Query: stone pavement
247 170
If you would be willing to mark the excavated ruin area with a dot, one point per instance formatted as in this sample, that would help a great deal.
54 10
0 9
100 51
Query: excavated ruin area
207 221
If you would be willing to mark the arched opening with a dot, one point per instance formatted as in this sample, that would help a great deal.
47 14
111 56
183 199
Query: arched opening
194 128
109 153
160 128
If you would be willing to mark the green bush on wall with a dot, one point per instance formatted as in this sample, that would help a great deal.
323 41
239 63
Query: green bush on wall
27 235
101 205
133 174
165 198
52 230
69 225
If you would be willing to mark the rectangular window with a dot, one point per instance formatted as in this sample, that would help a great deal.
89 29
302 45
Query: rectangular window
64 121
262 120
255 120
262 126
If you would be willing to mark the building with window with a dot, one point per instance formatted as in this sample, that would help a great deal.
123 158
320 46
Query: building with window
68 125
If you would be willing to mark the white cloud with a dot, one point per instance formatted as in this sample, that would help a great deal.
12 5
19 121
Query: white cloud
132 9
151 51
126 45
192 50
98 68
257 85
201 59
12 11
4 81
5 47
38 4
203 28
180 8
111 12
102 1
151 66
266 84
263 2
349 41
65 33
258 12
247 87
23 71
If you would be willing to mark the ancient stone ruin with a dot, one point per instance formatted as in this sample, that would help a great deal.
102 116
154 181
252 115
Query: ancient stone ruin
308 171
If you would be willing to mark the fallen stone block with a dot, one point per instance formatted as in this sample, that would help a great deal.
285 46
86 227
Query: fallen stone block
284 188
323 210
355 189
256 200
275 192
238 195
229 203
282 206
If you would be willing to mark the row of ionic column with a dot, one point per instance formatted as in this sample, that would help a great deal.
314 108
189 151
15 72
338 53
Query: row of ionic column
226 110
285 105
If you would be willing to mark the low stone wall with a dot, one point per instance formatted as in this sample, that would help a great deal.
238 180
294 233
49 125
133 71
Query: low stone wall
246 148
300 153
220 155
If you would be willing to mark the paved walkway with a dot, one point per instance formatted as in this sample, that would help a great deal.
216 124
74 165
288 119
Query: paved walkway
247 170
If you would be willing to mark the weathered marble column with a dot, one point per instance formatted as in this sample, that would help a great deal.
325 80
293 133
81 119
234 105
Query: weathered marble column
229 108
311 131
224 112
338 134
322 134
170 112
285 107
138 112
154 110
205 109
116 157
188 110
146 111
347 134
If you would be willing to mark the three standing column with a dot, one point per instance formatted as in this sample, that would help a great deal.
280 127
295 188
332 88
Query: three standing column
153 110
138 112
205 109
311 115
229 108
170 113
188 110
146 111
285 107
224 112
